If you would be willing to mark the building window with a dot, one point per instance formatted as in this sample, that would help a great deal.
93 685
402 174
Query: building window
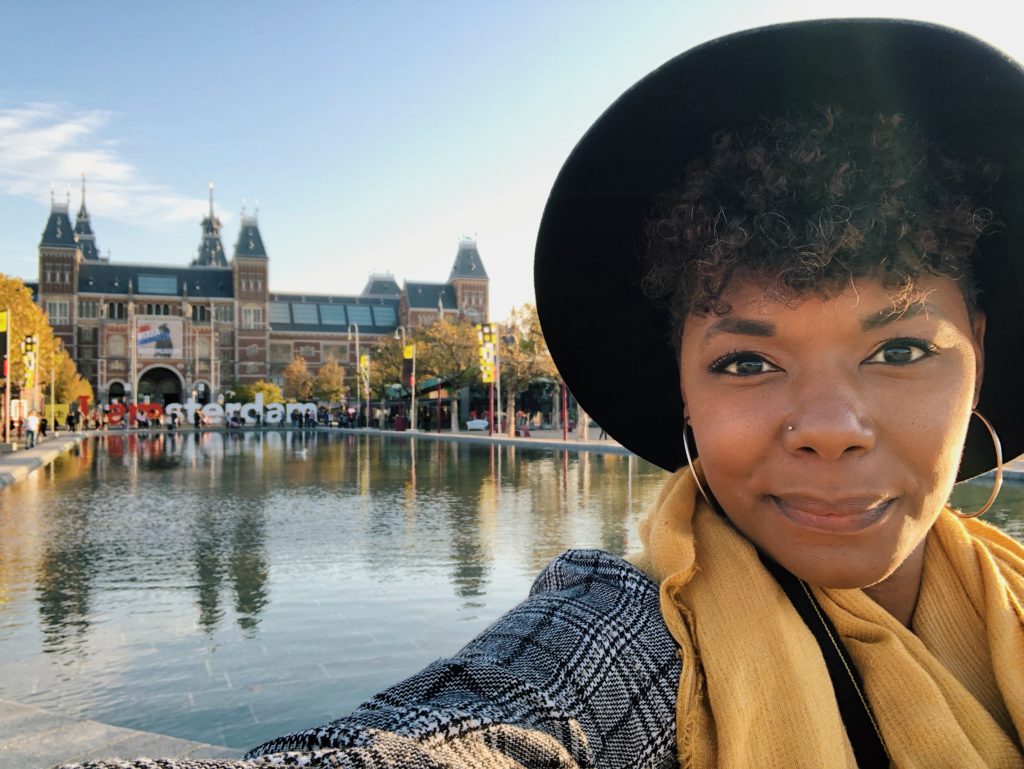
252 368
338 352
252 317
224 313
306 351
58 312
116 311
86 334
200 313
252 351
165 285
88 309
281 352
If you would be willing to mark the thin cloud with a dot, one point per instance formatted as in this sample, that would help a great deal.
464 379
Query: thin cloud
45 144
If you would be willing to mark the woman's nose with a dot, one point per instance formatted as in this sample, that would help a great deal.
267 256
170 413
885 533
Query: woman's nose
830 423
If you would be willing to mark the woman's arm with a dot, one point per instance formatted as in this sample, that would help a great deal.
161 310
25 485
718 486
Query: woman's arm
581 674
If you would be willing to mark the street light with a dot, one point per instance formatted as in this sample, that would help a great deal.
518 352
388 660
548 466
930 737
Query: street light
412 383
359 405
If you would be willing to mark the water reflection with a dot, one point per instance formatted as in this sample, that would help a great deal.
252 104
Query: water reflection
229 587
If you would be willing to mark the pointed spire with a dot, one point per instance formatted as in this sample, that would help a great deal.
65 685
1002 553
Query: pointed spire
83 192
211 201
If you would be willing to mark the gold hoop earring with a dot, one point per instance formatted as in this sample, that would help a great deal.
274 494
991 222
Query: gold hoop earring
689 462
999 469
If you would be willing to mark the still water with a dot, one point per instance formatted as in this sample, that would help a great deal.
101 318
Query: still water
236 587
231 588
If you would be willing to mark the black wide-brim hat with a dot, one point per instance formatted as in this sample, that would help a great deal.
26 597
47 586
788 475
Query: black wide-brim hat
610 342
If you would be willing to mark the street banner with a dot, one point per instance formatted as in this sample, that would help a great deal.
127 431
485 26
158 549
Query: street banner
159 339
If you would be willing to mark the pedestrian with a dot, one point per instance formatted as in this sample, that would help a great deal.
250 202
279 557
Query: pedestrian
31 429
43 427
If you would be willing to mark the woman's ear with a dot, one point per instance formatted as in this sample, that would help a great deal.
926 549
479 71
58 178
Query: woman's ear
978 332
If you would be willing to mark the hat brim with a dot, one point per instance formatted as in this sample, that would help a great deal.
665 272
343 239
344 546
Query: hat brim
610 342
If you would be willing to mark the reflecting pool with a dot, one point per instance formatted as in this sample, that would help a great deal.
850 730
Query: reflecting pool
229 588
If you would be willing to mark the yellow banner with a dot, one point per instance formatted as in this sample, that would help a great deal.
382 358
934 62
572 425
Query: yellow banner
62 413
408 351
3 321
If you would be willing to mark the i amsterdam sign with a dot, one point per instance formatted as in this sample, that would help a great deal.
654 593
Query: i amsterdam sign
256 412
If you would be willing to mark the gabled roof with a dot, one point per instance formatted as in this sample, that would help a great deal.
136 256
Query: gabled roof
250 243
58 233
382 285
425 296
146 280
467 262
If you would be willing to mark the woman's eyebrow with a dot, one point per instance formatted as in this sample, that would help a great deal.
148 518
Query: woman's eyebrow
887 316
738 326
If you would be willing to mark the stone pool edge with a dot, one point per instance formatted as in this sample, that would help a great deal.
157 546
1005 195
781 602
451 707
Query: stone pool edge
33 737
18 464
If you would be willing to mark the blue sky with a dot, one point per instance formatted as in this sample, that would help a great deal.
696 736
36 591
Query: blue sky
372 135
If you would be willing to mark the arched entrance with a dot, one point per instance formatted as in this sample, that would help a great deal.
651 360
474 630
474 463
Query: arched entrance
115 393
161 384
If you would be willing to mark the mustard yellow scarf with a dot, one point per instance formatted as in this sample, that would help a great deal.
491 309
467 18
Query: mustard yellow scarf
754 690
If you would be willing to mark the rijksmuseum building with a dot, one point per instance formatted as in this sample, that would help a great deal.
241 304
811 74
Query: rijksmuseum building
138 330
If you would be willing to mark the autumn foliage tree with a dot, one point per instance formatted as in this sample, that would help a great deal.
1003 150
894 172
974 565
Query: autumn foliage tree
450 351
329 382
247 393
28 319
298 380
524 356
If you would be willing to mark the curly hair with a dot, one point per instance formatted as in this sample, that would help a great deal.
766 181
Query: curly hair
806 205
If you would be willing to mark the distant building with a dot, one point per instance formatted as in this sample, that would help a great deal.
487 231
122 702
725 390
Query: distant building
139 330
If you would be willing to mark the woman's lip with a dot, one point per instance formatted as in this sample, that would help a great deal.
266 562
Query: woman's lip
845 516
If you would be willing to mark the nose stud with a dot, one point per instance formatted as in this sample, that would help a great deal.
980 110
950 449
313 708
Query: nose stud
790 428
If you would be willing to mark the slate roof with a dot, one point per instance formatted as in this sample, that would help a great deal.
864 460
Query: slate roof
383 313
106 278
467 262
250 243
59 232
211 250
84 235
382 285
424 296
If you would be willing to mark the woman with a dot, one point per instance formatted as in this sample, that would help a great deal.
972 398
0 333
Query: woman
808 240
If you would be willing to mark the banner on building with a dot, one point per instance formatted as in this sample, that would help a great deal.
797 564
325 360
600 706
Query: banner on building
159 339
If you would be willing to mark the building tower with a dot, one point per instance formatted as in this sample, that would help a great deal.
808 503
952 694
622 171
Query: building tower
249 266
211 250
58 273
470 281
83 232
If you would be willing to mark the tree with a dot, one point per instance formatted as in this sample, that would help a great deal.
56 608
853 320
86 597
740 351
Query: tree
450 351
28 319
271 392
385 367
524 356
298 381
329 382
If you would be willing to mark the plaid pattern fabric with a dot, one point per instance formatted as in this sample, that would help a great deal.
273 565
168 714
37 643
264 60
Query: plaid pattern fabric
581 674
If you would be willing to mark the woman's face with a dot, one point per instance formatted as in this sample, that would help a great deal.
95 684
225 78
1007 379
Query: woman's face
830 430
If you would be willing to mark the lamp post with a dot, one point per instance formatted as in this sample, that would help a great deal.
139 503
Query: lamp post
53 384
412 380
359 405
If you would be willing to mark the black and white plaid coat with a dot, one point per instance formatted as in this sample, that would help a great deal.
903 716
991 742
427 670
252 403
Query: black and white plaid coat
581 674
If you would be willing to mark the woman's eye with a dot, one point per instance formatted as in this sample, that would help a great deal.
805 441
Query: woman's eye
742 364
901 351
